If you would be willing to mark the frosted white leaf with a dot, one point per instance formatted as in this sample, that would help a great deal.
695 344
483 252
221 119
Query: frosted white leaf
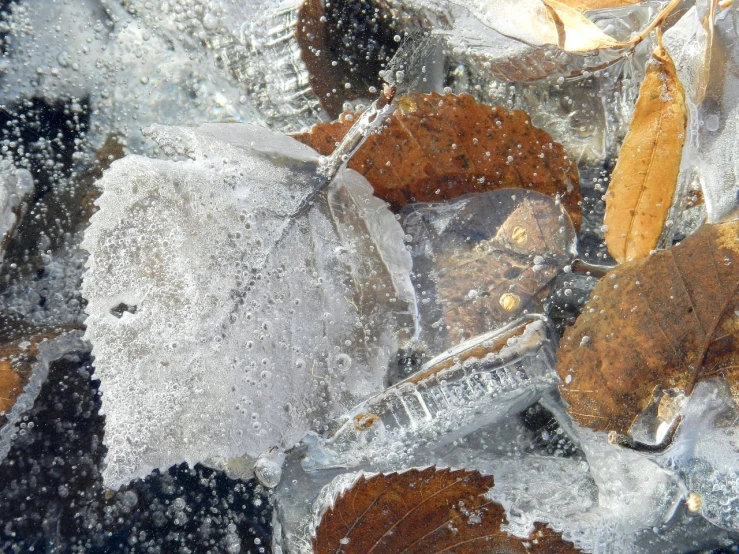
15 185
226 316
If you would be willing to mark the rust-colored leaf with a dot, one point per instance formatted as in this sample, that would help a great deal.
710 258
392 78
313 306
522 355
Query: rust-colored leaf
644 179
424 511
439 147
668 320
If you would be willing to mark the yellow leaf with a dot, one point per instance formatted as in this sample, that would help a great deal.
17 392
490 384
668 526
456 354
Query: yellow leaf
571 31
644 179
587 5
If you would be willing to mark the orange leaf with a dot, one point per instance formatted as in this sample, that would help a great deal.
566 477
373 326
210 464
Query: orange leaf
644 179
439 147
668 320
424 511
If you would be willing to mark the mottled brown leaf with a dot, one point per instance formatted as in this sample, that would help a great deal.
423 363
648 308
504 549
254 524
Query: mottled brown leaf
425 512
439 147
668 320
491 260
644 179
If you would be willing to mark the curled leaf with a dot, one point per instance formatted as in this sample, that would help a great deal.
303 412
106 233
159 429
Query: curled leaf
571 31
644 179
439 147
667 321
424 511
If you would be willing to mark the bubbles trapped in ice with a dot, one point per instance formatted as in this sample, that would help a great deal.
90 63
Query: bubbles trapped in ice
465 388
15 185
248 300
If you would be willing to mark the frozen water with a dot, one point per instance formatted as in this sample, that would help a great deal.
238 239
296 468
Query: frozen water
68 343
461 390
15 185
228 315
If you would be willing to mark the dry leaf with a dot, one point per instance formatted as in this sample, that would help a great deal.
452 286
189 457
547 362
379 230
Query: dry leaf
587 5
668 320
489 259
571 31
439 147
644 179
323 31
424 511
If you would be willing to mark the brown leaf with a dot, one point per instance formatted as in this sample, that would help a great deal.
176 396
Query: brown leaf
424 511
491 261
439 147
324 31
644 179
571 31
668 320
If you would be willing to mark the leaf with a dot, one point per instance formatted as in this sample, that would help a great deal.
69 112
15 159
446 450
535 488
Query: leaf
587 5
644 179
482 261
571 31
668 320
424 511
439 147
226 312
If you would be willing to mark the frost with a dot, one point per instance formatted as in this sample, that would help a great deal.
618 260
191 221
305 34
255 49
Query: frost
231 307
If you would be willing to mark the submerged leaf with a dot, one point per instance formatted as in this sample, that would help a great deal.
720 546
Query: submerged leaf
424 511
644 179
439 147
668 320
571 31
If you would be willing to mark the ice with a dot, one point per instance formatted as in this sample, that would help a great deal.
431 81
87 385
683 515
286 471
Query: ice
69 343
230 308
463 389
15 185
97 49
719 115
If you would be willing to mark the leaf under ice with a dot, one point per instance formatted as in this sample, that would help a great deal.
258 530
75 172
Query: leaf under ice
231 306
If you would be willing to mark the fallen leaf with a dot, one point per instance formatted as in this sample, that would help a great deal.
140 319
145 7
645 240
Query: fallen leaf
571 31
668 320
644 179
490 258
344 43
587 5
437 147
424 511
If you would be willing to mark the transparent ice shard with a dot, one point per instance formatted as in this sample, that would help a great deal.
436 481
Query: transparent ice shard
231 308
480 261
719 121
463 389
